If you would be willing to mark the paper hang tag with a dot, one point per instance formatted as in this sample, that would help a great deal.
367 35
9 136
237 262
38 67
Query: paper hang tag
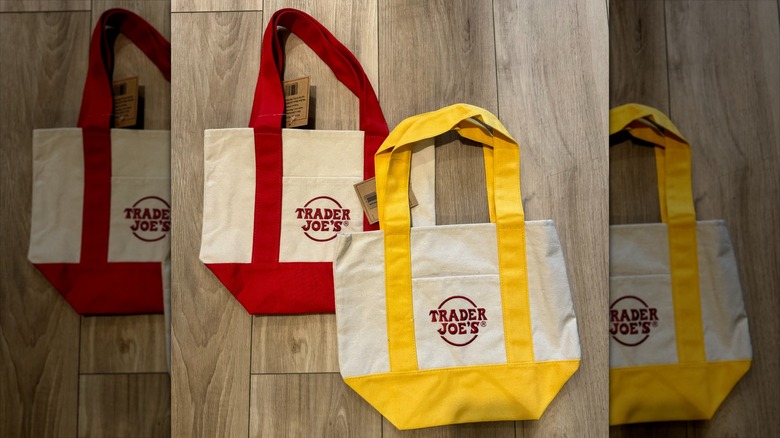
126 102
366 191
296 102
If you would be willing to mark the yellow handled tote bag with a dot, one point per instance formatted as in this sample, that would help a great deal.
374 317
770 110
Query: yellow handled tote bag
679 337
456 323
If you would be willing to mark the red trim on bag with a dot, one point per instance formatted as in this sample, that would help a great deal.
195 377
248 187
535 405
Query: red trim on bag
268 197
96 216
279 288
108 288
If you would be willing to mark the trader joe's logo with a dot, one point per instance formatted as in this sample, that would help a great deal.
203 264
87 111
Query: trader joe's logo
458 320
322 218
631 320
150 218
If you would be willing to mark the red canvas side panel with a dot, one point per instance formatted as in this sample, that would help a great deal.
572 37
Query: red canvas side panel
108 288
287 288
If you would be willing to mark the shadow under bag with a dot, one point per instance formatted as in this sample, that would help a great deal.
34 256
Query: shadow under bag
455 323
679 338
274 199
100 230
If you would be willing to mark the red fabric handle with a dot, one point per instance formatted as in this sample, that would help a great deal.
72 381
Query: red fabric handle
268 108
97 101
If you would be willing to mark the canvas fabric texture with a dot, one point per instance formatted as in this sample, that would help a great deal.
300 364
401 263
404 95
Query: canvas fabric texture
275 199
459 323
679 338
100 223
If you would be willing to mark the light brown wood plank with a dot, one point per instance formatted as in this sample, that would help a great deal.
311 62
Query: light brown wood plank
216 5
307 405
39 332
123 344
473 430
124 405
308 343
637 54
215 64
131 61
294 344
44 5
637 60
552 63
724 80
434 55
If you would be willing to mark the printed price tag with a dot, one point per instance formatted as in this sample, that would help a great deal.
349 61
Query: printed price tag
125 102
366 191
296 102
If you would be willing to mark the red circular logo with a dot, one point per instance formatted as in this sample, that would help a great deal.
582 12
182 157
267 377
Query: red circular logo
458 320
631 320
150 218
322 218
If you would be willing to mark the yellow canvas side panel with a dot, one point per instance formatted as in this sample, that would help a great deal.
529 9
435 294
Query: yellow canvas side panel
671 392
461 395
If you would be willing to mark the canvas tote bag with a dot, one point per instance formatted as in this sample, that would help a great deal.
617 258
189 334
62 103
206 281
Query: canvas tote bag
101 196
456 323
274 199
679 333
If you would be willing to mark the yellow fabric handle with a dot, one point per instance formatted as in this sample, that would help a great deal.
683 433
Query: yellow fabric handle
502 169
673 167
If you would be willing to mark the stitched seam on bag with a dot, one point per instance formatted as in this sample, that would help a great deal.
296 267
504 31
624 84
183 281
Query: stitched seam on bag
682 365
467 368
453 276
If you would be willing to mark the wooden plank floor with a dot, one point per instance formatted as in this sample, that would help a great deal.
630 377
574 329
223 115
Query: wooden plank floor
714 67
65 375
237 376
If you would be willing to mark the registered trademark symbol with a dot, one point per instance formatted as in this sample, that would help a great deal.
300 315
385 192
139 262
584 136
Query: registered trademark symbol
483 323
346 223
655 323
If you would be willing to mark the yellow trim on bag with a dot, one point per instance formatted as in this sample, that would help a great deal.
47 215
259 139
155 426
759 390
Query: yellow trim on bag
437 397
502 162
671 392
673 167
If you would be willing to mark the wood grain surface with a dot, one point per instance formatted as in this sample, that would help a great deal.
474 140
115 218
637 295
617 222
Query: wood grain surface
215 70
216 5
44 5
299 344
276 376
47 349
124 405
720 65
39 332
128 344
321 406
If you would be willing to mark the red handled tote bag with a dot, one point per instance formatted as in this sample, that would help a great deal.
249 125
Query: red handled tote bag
274 199
679 338
101 196
455 323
